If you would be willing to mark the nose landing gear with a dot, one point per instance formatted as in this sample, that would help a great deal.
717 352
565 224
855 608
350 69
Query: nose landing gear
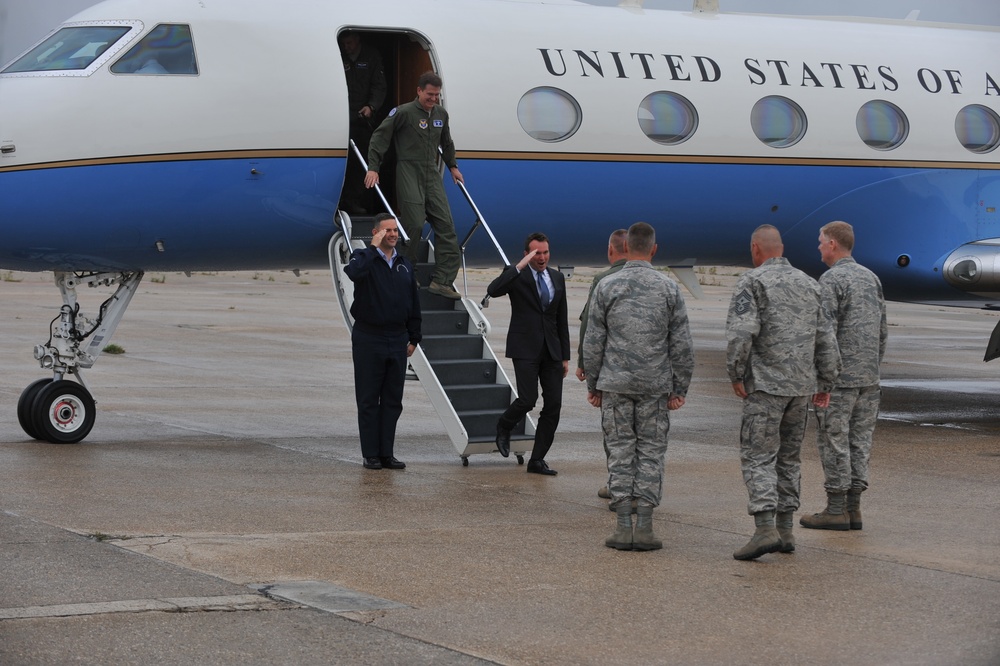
58 410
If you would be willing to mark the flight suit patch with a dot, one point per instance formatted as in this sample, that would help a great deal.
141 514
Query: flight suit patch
438 123
423 123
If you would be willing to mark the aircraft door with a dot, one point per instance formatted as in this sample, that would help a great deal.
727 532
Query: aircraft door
403 57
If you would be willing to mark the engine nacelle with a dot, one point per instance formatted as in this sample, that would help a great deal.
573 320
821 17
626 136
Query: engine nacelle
975 268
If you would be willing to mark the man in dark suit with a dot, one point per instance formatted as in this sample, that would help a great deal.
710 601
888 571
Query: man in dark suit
538 342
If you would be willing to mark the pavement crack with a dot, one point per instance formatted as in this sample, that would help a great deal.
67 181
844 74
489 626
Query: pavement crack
225 603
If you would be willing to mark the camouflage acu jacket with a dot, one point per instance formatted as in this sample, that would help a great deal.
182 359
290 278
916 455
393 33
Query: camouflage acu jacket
852 299
779 339
638 340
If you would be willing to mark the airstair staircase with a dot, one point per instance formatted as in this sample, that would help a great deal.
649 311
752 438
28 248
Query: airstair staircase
454 363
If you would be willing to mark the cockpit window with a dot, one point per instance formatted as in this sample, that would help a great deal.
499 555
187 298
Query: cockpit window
74 50
167 49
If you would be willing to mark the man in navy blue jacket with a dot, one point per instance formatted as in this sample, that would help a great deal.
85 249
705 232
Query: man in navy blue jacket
386 331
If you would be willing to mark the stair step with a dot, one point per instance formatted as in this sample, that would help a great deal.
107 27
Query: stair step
452 347
492 438
444 322
451 372
479 397
431 302
483 424
424 272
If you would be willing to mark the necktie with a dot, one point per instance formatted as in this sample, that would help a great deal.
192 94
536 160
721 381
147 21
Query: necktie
543 291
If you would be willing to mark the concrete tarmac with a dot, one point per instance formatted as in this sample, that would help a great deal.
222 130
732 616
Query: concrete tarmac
219 514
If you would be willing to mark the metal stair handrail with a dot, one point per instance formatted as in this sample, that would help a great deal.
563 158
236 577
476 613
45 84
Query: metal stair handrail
378 189
480 222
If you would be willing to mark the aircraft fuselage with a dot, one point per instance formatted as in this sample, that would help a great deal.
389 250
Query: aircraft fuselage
570 119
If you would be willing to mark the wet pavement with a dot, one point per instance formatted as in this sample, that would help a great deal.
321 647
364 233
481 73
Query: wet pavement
219 514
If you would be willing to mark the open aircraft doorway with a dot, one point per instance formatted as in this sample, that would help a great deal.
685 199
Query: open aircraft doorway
404 56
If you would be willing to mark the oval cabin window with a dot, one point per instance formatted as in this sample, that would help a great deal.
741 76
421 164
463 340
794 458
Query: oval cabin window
778 121
978 128
667 118
549 114
881 125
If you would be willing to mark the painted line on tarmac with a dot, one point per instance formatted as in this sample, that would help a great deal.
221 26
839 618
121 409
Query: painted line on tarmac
237 602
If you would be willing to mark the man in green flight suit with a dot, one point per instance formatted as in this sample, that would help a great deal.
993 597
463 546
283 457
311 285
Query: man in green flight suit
418 128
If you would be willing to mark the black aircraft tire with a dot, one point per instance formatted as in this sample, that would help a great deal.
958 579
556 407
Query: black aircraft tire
64 412
24 404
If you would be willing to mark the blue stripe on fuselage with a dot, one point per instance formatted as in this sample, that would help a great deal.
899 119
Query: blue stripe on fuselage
216 215
707 212
209 215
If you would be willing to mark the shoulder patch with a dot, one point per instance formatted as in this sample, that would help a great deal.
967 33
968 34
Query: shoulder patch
393 112
741 304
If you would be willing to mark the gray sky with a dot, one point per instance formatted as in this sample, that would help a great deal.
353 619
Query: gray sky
23 22
985 12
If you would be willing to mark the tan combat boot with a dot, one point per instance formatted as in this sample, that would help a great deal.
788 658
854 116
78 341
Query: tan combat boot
853 507
783 521
622 537
764 540
644 538
833 517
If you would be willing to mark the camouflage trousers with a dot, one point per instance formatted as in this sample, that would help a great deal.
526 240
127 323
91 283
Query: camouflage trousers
635 435
770 443
844 437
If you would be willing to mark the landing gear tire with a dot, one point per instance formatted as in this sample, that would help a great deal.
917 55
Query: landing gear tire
520 460
24 404
465 461
63 412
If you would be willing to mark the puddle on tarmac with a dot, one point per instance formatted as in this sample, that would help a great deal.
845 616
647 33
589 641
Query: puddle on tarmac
944 403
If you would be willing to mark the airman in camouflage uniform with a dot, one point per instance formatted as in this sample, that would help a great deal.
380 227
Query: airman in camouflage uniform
617 259
852 299
638 359
418 129
780 344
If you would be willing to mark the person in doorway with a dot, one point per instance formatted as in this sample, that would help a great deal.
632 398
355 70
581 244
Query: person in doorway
418 129
366 91
386 331
538 342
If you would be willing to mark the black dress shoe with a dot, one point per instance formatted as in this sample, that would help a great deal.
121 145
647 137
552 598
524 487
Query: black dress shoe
392 463
540 467
503 440
373 463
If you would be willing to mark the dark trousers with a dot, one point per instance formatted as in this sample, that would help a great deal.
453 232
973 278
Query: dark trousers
355 198
529 373
379 372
